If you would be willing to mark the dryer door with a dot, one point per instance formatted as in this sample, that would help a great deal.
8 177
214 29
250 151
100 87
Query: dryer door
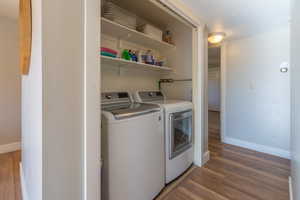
181 132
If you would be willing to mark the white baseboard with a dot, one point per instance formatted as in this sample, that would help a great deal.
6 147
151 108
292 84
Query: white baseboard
258 147
23 185
6 148
213 108
206 157
291 188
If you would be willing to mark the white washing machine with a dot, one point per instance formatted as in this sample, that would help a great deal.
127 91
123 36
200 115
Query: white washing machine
132 149
178 127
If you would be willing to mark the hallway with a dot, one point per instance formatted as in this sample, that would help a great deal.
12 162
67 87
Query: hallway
214 121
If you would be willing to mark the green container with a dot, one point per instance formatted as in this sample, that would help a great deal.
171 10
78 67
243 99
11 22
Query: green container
126 55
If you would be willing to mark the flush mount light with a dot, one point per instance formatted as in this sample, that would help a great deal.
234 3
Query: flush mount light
216 37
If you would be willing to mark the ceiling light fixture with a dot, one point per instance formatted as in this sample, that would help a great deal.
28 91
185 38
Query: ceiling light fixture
215 38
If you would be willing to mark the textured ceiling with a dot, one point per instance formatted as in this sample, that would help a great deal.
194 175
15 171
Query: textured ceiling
240 18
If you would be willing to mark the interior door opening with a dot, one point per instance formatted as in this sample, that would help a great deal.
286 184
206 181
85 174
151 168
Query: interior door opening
214 94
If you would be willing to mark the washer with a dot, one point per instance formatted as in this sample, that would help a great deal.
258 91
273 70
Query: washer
132 148
178 128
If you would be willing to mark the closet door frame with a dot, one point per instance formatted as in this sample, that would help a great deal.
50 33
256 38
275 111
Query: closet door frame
91 173
92 88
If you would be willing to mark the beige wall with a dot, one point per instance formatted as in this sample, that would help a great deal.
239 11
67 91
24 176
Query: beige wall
63 99
181 61
10 99
122 79
53 103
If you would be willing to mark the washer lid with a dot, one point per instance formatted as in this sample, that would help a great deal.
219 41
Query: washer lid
122 111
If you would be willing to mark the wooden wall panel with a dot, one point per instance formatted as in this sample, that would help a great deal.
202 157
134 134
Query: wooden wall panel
25 35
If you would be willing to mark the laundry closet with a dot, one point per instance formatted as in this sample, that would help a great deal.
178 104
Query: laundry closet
175 57
148 55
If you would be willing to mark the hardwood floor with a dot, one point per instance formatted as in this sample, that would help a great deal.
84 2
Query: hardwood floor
10 188
234 173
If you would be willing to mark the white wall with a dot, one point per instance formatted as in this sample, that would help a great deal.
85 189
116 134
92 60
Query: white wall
295 83
214 78
214 89
258 94
32 116
10 83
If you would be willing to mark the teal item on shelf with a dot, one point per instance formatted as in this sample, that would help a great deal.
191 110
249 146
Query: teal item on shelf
108 54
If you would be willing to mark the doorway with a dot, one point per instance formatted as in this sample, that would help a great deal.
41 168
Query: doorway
214 93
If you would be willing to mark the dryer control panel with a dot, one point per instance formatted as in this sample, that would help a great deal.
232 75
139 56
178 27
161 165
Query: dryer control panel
151 96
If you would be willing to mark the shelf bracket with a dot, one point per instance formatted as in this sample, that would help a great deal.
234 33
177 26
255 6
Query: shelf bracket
119 43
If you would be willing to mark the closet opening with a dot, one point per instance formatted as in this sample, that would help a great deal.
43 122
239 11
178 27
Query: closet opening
150 91
214 94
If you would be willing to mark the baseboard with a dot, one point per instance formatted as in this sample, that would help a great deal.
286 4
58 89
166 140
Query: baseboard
206 157
257 147
215 109
6 148
23 185
291 188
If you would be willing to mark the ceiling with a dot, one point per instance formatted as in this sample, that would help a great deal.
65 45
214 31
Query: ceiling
237 18
241 18
9 9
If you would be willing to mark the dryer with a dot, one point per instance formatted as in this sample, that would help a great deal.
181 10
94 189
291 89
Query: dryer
178 131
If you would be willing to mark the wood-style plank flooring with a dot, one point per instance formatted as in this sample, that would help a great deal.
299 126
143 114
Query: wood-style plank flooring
10 188
233 173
